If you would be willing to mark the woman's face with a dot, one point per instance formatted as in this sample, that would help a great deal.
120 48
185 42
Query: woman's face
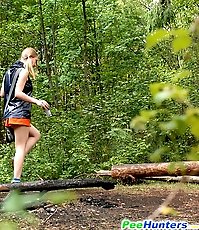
34 61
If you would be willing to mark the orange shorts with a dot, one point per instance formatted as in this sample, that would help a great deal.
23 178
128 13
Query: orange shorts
13 122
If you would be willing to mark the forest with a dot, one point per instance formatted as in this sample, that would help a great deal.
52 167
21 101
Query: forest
100 79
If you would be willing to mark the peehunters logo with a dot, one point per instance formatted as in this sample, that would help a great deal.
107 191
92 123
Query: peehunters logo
150 225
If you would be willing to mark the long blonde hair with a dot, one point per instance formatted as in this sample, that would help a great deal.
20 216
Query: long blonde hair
26 54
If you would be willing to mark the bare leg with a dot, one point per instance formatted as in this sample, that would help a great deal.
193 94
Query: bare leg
21 137
25 139
34 136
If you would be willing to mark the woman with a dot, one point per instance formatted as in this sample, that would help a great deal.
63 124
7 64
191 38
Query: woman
18 112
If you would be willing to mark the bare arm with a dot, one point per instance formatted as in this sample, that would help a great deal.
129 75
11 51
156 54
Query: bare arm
23 76
2 89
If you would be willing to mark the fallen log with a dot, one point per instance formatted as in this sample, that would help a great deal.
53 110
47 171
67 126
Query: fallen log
188 179
155 169
134 171
50 185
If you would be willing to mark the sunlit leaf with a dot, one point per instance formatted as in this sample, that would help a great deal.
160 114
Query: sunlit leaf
138 123
163 91
148 114
30 199
155 37
181 43
16 202
192 112
180 127
177 123
157 87
177 167
164 95
180 32
171 125
156 156
60 197
165 210
182 74
8 225
180 94
182 39
13 203
192 119
194 154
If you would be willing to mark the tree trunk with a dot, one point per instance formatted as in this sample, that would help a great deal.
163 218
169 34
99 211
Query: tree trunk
155 169
85 50
97 63
45 47
54 36
57 184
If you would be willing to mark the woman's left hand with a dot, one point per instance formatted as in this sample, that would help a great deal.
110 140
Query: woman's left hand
44 104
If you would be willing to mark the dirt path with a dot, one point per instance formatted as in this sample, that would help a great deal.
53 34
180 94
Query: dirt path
98 209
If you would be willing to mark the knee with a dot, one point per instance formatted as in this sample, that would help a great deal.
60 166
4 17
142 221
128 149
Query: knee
34 133
37 136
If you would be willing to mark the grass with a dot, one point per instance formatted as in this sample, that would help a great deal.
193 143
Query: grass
149 185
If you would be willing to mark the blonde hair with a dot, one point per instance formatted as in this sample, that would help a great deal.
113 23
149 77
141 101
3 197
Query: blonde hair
25 56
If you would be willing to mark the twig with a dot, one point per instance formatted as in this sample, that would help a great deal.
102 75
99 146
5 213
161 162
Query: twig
48 218
168 200
144 4
40 177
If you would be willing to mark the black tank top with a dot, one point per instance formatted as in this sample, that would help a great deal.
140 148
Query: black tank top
16 108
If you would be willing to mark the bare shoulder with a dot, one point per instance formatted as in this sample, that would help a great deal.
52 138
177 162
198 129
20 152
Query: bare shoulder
23 75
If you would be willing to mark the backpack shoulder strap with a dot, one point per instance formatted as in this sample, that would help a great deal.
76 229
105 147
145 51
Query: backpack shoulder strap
12 86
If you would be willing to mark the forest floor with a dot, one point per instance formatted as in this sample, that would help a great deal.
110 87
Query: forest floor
98 209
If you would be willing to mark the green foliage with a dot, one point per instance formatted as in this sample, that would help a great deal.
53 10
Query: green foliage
8 225
100 76
15 205
188 119
59 197
6 155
